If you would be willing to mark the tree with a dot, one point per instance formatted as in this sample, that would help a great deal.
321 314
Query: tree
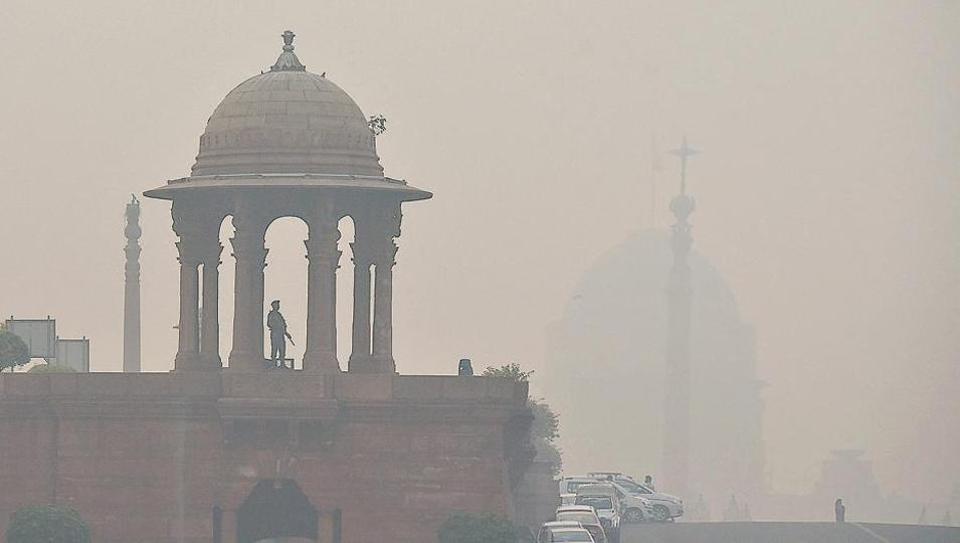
509 371
467 528
377 124
545 429
13 351
47 524
546 423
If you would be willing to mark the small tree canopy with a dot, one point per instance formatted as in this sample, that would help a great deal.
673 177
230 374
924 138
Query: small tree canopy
546 423
47 524
13 351
467 528
377 124
509 371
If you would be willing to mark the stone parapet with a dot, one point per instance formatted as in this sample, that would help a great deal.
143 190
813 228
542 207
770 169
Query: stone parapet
280 388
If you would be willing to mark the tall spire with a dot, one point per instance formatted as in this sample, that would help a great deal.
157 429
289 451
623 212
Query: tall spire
131 294
684 152
288 61
676 439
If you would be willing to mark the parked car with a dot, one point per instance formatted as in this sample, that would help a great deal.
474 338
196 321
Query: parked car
544 535
663 506
633 507
604 500
569 486
608 475
586 516
578 535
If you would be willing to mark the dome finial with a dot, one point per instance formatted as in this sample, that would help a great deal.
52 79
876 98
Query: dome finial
288 40
288 61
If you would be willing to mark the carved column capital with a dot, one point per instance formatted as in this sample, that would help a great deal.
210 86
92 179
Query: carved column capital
386 254
249 249
194 250
323 247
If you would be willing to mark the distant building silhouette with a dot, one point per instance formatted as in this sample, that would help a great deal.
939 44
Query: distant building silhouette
607 357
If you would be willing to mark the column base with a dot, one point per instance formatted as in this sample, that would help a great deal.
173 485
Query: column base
189 361
324 362
371 364
247 362
211 363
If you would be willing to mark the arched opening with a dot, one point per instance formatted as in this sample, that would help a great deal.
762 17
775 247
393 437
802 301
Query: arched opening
285 279
277 510
345 289
228 268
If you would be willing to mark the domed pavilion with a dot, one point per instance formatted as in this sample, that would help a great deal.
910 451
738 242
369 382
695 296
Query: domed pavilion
249 455
287 142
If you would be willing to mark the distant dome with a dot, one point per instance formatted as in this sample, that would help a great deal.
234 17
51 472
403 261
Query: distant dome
605 371
287 120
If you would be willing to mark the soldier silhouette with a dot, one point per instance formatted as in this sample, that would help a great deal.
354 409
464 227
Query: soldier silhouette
278 335
840 510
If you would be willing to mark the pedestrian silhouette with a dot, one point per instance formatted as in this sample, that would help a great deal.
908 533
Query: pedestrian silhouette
278 335
840 510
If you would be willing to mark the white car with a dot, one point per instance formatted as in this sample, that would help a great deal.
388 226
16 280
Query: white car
574 535
569 486
633 507
607 475
587 517
664 506
544 535
603 498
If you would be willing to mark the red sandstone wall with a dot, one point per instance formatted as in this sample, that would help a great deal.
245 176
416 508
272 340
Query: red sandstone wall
143 472
131 479
391 481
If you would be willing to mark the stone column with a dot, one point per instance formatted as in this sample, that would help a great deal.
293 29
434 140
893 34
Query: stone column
383 310
375 246
323 261
188 227
250 255
360 352
188 346
131 292
198 246
210 325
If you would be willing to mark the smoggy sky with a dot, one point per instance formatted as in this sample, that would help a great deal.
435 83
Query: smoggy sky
827 188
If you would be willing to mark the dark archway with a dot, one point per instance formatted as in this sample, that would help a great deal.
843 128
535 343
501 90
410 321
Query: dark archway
276 509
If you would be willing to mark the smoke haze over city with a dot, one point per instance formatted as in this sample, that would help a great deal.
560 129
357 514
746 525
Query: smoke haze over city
827 187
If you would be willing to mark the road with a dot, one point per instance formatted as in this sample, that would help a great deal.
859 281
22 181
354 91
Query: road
787 532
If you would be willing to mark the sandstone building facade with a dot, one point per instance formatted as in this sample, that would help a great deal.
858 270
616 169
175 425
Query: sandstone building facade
229 450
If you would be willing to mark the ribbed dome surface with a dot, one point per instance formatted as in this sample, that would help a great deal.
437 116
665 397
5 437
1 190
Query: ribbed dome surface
287 121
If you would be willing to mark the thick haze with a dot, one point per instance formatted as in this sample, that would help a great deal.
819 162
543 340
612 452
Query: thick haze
827 190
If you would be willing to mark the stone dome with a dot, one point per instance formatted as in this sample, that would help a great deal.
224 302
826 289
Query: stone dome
606 360
287 120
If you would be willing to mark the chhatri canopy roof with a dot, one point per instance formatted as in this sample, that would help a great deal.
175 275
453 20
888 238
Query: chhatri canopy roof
288 128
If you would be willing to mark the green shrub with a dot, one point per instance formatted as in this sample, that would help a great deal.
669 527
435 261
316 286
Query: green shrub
467 528
13 351
47 524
